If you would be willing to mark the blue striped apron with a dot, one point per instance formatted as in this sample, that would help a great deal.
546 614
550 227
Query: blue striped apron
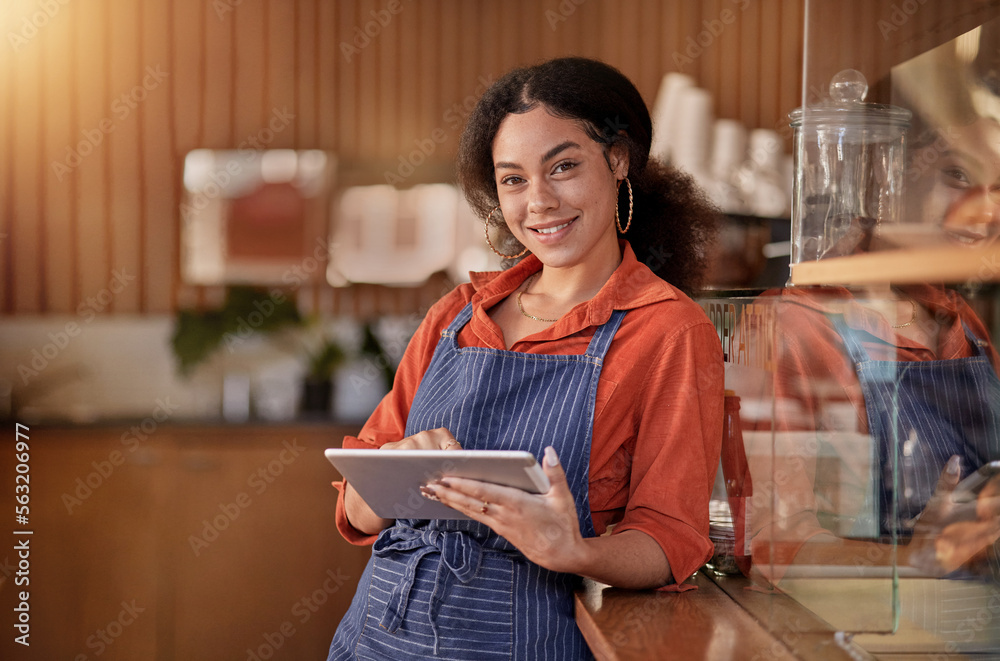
455 589
920 413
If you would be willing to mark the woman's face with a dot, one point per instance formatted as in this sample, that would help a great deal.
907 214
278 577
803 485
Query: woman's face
556 189
956 183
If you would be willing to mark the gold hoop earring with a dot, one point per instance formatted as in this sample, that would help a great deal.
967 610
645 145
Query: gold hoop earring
486 227
617 220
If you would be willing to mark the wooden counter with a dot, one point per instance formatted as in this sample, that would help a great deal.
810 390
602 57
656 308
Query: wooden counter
180 542
707 623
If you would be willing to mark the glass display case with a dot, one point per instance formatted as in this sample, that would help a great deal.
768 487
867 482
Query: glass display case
859 474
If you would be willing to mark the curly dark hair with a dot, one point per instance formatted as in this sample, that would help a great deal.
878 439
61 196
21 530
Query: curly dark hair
673 221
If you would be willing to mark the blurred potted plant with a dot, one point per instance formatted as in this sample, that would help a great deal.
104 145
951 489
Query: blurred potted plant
317 385
371 347
246 311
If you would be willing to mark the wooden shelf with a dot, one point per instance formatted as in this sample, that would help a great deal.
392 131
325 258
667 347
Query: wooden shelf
933 265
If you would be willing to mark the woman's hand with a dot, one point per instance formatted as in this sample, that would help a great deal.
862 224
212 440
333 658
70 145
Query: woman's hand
359 513
942 544
544 527
432 439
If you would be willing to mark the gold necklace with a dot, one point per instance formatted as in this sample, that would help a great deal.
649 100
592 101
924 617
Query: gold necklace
913 315
521 307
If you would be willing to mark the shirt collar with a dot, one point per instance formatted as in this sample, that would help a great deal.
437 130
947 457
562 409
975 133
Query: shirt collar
631 286
941 303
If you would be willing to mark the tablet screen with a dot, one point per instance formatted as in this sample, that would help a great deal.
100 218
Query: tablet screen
390 480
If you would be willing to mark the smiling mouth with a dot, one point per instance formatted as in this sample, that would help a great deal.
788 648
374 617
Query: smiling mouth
965 240
972 235
552 230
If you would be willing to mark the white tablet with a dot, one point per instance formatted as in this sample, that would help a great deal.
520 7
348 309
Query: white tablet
390 480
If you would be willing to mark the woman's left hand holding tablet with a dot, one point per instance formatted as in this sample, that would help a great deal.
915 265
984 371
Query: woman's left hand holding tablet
544 527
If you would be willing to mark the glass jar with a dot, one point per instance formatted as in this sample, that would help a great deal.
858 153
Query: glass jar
849 160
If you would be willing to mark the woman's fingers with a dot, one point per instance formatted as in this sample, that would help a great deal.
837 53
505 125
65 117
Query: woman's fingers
544 527
950 476
430 439
554 471
988 502
470 496
941 505
950 532
964 540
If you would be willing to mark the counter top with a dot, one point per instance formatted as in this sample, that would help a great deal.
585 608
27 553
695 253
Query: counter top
707 623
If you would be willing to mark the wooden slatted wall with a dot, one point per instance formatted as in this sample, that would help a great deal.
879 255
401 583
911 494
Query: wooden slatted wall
872 36
101 99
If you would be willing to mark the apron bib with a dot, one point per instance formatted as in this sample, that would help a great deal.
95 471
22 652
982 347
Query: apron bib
920 413
455 589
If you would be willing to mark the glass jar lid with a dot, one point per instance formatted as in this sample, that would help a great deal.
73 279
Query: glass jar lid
846 107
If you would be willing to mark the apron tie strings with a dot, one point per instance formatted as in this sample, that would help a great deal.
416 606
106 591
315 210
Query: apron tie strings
460 554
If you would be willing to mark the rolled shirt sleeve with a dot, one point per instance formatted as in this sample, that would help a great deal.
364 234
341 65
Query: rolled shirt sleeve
678 439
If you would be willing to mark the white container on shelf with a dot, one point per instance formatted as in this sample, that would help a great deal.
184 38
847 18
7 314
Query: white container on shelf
729 147
761 178
665 126
694 141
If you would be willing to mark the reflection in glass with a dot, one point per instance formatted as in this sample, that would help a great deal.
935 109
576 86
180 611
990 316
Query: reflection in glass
884 397
953 170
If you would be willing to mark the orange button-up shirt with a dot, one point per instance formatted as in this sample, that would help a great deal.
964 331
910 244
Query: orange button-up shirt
658 416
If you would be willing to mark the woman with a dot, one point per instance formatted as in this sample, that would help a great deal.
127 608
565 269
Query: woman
577 352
